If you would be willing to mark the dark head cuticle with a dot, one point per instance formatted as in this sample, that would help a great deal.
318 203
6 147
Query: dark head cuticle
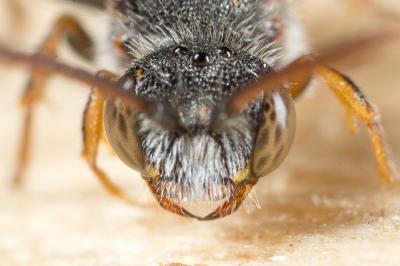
201 59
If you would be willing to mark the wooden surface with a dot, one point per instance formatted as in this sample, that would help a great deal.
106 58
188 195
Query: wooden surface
323 206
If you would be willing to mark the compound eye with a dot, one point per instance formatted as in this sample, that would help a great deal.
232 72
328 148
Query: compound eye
225 52
129 80
201 59
275 135
181 50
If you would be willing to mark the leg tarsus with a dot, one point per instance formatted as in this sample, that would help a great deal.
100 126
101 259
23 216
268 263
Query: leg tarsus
381 154
32 94
354 100
24 149
110 186
356 104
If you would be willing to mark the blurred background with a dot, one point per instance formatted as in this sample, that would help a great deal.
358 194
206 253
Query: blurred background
323 206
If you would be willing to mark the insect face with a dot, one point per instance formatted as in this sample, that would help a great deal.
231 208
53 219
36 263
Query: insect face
211 86
190 149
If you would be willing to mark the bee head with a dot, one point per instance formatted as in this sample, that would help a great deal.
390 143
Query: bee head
190 149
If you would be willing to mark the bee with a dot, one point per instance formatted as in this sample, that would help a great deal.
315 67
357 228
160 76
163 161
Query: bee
205 107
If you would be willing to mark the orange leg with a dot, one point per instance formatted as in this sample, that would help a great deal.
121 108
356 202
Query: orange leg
65 26
93 133
356 105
